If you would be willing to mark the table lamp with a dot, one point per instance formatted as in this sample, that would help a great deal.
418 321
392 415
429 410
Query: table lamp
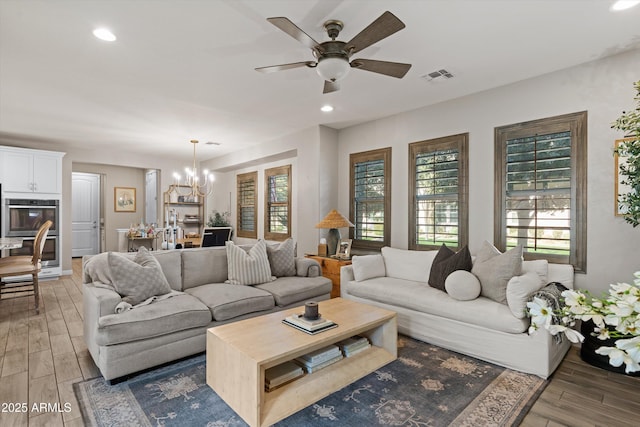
333 221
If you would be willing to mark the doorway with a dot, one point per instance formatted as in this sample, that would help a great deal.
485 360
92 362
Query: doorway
85 214
151 196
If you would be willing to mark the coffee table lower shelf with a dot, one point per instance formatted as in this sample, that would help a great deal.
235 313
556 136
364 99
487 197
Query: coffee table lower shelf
289 399
239 353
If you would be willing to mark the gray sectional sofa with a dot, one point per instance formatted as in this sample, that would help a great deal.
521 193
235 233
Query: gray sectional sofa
175 327
470 324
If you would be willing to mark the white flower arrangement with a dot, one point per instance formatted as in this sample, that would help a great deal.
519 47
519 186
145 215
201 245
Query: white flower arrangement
617 315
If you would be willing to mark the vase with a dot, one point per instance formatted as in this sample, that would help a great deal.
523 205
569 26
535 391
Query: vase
592 343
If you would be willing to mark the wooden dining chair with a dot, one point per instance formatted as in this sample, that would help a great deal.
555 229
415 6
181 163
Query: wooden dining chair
25 265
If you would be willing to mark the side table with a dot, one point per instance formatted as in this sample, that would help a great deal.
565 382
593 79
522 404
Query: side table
331 270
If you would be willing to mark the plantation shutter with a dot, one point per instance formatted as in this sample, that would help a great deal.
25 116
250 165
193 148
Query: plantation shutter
369 202
436 197
277 203
247 205
538 193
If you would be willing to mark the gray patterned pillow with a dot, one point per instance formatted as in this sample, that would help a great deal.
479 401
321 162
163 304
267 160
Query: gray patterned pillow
494 271
139 279
282 259
248 268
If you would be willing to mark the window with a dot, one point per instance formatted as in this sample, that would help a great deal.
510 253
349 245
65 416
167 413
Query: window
370 195
247 213
277 216
438 192
541 188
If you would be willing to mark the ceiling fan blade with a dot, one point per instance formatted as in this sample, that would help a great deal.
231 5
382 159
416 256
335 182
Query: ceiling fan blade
379 29
294 31
330 86
393 69
281 67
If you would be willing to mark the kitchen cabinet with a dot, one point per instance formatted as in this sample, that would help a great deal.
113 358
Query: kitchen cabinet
31 171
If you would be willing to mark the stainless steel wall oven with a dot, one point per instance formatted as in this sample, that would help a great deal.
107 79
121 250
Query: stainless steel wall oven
23 218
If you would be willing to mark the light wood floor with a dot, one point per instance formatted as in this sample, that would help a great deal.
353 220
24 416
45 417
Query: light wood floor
41 356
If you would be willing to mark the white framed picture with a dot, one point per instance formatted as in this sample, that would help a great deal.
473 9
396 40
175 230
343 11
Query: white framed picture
344 249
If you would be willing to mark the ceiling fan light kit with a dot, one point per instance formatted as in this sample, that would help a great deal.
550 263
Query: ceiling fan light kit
333 56
332 69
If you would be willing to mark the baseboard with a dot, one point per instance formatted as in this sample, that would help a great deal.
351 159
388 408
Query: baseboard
67 272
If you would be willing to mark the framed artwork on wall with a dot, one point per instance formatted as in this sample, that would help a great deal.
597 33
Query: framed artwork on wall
620 159
124 199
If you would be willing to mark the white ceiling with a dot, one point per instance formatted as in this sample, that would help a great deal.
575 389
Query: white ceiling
185 69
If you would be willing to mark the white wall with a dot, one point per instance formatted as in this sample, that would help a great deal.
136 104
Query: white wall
604 88
312 154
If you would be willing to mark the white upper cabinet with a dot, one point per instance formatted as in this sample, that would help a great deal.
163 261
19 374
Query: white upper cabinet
31 171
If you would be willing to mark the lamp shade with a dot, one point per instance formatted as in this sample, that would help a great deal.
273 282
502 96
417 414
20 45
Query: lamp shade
334 219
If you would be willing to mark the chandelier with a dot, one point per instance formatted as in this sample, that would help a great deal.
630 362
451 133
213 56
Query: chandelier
192 187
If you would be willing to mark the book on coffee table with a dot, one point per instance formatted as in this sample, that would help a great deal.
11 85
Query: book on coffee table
320 355
281 374
312 328
310 368
354 345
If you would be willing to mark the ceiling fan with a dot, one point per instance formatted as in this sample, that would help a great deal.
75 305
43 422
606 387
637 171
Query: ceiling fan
333 56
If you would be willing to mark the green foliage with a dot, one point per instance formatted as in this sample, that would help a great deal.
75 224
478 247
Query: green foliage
219 219
629 123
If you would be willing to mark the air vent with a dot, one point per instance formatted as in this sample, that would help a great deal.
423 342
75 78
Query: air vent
211 143
437 75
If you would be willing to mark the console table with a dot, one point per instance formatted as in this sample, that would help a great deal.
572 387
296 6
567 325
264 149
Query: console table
132 247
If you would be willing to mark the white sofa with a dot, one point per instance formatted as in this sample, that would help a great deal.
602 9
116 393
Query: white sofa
481 327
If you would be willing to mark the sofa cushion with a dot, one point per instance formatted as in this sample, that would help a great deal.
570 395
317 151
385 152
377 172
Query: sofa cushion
408 265
282 258
170 261
368 266
162 317
519 289
250 268
446 262
415 296
462 285
289 290
494 270
228 301
139 279
538 266
201 266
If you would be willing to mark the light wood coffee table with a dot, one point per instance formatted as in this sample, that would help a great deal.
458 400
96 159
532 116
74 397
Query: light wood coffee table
238 354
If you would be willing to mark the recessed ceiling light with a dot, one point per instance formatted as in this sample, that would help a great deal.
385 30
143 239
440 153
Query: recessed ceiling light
326 108
104 34
624 4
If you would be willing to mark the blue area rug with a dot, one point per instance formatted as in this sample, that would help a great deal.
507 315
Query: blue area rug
425 386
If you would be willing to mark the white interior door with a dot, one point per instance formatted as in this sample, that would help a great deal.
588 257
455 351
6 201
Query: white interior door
85 215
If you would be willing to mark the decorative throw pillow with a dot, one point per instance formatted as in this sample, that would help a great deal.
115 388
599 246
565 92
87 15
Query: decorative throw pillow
282 258
519 289
462 285
538 266
367 267
494 272
250 268
445 263
139 279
